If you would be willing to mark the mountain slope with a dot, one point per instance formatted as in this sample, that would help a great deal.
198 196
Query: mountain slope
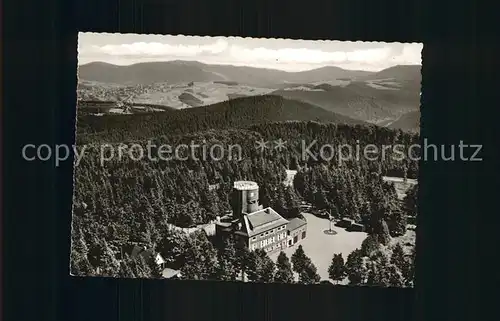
378 98
236 113
360 100
409 122
145 73
186 71
271 77
400 72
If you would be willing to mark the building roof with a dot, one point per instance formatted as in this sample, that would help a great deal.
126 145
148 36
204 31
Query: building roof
262 220
245 185
170 273
295 223
159 259
241 233
224 224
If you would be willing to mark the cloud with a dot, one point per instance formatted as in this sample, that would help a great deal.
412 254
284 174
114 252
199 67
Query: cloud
309 56
161 49
222 51
411 54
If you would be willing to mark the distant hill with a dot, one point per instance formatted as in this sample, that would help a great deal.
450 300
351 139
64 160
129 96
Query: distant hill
272 77
399 72
145 73
235 113
375 97
372 101
409 76
409 122
186 71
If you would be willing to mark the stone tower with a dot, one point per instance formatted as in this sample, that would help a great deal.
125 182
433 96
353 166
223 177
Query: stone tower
245 198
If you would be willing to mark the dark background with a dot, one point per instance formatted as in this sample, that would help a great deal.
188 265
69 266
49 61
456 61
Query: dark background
39 95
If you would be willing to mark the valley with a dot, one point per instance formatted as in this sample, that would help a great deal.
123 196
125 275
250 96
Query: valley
379 98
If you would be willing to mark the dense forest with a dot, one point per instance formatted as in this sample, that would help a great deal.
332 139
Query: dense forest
239 112
126 201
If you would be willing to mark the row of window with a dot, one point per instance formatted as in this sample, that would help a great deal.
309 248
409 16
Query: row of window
274 247
297 232
271 240
281 228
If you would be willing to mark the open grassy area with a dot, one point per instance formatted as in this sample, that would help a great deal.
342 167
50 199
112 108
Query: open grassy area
320 247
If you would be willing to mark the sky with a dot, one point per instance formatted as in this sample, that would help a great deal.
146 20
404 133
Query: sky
282 54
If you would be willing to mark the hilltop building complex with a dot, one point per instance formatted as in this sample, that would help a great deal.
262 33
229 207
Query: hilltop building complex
260 228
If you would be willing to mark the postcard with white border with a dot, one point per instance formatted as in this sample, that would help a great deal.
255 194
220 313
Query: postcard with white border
246 160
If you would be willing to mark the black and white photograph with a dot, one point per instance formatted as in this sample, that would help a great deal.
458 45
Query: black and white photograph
246 160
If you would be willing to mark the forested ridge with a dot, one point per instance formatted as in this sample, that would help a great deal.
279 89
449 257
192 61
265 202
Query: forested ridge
239 112
128 201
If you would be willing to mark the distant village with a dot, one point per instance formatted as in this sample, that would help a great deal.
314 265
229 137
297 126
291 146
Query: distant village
99 108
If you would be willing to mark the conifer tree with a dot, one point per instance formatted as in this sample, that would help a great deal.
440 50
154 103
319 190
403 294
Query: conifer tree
369 245
409 274
126 269
397 223
141 266
266 267
394 275
398 257
336 270
299 260
355 269
253 266
373 276
382 232
172 247
79 262
110 266
309 274
410 201
227 269
200 258
268 270
260 267
80 265
242 254
379 275
284 273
